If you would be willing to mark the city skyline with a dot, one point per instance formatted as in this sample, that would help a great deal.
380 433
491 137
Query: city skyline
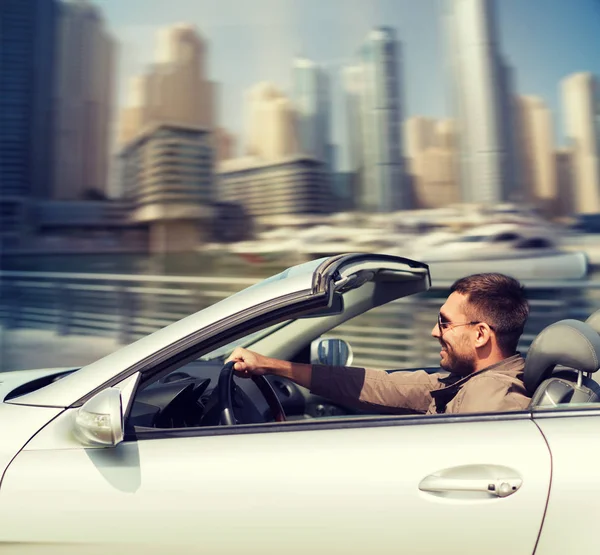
324 101
539 62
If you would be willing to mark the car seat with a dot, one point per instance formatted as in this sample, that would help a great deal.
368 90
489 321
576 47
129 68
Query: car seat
559 364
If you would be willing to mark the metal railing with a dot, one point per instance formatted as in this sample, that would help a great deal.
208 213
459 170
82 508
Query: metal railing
127 307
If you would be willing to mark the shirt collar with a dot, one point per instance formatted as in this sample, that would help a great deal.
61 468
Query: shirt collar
512 365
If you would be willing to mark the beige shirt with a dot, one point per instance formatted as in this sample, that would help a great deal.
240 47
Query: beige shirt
497 388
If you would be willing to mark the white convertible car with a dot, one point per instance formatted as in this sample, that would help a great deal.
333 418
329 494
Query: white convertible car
157 449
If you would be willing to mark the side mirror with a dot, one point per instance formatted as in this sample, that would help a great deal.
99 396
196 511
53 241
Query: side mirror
99 422
330 352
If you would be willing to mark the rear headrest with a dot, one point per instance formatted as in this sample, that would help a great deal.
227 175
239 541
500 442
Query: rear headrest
594 321
570 343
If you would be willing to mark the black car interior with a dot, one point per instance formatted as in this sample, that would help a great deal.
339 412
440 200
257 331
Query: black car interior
190 397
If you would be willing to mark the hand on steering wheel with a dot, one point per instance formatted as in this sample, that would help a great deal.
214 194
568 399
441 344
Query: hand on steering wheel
225 387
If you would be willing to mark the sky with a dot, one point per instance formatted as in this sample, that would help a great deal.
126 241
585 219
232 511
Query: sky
255 40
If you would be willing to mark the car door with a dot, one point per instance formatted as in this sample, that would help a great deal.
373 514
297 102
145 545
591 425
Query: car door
460 484
573 436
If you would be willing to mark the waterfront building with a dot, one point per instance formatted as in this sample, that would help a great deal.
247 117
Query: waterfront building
275 192
432 161
581 107
383 185
83 98
311 98
272 131
564 181
167 179
76 226
27 40
352 85
175 89
537 153
225 145
481 93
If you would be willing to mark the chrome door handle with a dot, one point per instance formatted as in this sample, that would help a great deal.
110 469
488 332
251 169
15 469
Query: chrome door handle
499 487
479 480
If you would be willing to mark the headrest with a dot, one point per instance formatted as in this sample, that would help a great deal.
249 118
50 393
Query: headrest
594 321
570 343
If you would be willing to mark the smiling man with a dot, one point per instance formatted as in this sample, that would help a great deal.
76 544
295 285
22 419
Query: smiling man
478 328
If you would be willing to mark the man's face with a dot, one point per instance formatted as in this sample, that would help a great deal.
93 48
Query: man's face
456 336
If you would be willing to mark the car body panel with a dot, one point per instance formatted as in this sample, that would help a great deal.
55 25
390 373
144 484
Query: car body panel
18 426
574 503
9 381
347 486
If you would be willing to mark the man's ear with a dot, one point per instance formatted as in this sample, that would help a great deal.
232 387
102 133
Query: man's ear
483 334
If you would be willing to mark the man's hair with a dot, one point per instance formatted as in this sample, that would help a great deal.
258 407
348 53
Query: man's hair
500 302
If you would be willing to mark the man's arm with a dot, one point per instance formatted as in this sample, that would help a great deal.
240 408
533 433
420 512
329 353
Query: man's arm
355 387
249 363
367 389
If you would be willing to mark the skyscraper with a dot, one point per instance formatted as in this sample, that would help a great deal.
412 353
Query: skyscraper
310 94
581 96
431 160
271 123
383 183
352 84
564 181
168 144
481 85
166 176
83 98
175 89
419 135
537 156
27 30
225 144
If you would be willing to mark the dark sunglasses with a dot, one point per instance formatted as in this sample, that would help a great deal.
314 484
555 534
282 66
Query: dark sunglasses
443 325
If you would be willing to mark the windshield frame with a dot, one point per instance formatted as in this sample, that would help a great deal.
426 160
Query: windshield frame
221 353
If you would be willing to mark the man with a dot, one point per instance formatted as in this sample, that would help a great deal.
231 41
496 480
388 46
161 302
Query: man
478 328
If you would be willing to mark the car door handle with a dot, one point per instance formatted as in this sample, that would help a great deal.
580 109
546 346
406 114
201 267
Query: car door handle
492 480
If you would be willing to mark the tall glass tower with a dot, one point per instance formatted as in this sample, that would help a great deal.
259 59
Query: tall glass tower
310 94
383 184
27 37
83 98
482 96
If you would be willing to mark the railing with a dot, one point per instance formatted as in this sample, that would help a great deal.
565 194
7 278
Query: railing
128 307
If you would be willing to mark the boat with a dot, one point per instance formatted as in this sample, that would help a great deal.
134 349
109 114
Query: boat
526 252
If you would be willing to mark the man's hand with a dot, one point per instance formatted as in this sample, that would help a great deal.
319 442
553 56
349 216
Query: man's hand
248 363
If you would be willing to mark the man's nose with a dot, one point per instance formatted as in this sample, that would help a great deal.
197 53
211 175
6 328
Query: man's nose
435 332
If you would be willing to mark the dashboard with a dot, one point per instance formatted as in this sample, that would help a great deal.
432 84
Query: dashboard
188 397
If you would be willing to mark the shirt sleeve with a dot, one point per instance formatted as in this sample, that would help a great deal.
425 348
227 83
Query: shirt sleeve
395 393
489 394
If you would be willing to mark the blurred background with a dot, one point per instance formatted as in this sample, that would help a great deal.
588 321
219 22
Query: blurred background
158 155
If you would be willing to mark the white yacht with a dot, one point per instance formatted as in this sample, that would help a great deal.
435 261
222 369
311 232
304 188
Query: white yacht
524 252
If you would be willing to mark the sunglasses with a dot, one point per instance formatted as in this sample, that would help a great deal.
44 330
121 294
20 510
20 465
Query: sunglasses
445 325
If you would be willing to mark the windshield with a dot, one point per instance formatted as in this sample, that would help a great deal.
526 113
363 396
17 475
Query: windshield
223 352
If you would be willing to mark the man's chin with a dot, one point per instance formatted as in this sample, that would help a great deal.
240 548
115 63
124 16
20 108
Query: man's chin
444 365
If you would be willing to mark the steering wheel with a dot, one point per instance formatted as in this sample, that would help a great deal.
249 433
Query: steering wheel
181 411
225 386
